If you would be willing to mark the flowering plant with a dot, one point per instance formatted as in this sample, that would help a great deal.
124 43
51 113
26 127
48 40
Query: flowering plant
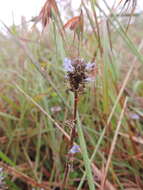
78 73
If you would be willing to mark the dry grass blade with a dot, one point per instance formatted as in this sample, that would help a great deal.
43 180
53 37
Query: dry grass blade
134 138
72 23
28 180
98 174
12 171
113 144
134 3
127 4
76 24
46 12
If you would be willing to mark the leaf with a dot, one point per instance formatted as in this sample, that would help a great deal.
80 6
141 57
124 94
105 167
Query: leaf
46 12
76 24
6 159
72 23
8 116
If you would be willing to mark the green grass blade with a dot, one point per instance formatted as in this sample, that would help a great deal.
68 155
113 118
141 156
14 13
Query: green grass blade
6 159
85 157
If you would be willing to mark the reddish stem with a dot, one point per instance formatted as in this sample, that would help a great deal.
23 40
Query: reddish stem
73 132
73 135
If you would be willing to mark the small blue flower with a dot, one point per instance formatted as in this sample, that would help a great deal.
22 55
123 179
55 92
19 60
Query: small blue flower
1 174
134 116
2 177
90 66
68 65
74 149
89 79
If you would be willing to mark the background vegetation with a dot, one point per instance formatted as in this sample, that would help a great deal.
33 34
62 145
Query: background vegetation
36 104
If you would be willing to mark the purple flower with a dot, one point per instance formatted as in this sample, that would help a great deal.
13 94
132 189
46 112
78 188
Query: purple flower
55 109
2 177
90 66
134 116
68 65
89 79
74 149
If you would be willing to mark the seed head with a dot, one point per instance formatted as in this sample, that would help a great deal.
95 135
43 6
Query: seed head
78 73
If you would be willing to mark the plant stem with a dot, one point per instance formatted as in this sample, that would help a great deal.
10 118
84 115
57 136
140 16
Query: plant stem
73 136
73 132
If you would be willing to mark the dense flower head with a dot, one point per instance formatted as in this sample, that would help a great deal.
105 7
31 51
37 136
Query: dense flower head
78 73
